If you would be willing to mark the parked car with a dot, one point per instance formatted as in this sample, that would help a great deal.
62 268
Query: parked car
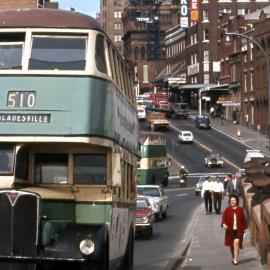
180 110
141 113
213 160
157 198
253 154
202 121
185 136
199 185
144 217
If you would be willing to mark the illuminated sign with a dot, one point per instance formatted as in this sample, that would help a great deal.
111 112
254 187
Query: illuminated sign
184 13
194 12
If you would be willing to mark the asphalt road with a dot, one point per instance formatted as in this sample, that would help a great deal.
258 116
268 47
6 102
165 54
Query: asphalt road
159 251
166 244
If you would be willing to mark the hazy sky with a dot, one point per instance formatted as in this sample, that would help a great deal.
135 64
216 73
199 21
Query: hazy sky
90 7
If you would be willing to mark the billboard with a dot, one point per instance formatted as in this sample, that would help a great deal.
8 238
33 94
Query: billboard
194 11
184 13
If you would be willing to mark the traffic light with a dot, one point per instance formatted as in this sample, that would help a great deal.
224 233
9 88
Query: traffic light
153 40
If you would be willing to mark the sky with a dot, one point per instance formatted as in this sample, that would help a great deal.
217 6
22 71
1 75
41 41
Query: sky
90 7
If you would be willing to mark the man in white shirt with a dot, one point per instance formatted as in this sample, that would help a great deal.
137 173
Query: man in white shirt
218 191
207 192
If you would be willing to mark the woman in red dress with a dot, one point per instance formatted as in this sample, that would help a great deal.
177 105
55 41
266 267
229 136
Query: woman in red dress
235 223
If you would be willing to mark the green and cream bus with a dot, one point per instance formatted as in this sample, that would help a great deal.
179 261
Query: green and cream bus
153 165
68 144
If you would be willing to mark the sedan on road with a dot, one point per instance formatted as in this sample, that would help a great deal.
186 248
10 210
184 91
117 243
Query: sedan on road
185 136
213 160
202 121
158 200
144 217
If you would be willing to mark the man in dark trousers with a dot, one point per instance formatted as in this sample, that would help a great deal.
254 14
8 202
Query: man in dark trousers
218 191
207 193
234 186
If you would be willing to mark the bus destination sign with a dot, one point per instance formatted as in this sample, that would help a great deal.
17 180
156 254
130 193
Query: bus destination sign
25 118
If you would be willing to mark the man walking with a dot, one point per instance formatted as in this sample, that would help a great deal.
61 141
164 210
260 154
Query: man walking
218 190
234 186
207 192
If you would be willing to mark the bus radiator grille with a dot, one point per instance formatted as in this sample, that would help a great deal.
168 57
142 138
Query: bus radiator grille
19 217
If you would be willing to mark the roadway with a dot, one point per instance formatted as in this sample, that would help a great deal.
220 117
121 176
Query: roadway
157 252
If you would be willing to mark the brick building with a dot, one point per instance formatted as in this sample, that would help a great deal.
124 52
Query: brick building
261 35
242 68
111 12
199 48
11 4
144 31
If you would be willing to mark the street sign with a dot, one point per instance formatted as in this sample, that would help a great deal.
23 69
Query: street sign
194 11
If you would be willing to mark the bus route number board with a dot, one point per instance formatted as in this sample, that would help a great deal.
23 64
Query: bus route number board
21 99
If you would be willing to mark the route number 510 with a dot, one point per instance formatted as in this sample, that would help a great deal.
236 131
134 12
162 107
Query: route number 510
21 99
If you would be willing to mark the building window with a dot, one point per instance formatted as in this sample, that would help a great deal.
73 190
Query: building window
241 11
104 3
104 14
206 56
251 81
136 53
117 26
143 53
117 38
145 74
117 14
205 34
206 78
205 15
245 82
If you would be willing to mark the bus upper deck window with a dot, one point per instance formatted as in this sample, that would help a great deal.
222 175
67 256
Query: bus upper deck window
6 159
100 54
51 168
90 169
58 53
11 56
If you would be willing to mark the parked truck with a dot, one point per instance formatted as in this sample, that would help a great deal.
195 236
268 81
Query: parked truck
157 120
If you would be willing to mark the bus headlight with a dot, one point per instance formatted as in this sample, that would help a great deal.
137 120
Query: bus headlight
87 247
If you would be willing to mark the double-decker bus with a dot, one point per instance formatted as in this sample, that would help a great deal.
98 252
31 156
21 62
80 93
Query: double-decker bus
68 144
153 166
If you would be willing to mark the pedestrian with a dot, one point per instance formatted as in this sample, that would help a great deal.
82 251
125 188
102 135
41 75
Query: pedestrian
226 180
246 117
218 194
234 222
207 193
212 110
222 118
234 186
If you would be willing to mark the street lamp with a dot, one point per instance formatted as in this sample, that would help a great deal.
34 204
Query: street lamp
251 40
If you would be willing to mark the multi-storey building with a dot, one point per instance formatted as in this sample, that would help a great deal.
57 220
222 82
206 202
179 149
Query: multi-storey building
144 30
10 4
199 47
111 12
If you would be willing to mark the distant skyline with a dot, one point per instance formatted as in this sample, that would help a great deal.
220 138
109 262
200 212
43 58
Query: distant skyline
90 7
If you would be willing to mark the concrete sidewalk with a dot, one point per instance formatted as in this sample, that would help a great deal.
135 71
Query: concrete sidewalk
207 250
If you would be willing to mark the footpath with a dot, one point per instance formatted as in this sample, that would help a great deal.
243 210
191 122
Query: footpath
207 250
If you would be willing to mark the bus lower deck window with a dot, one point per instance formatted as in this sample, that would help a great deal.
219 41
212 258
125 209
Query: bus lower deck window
90 169
6 159
51 168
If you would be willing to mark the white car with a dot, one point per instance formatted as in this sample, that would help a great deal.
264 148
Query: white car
185 136
141 113
253 154
157 199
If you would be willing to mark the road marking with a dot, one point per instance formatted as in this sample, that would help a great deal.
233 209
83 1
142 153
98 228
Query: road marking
174 160
181 195
178 189
209 149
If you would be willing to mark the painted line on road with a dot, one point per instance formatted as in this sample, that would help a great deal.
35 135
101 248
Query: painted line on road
209 149
182 195
177 189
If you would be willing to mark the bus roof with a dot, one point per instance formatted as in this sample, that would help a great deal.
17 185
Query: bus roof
46 18
145 134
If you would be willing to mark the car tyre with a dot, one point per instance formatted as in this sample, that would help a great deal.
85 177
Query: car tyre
158 216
